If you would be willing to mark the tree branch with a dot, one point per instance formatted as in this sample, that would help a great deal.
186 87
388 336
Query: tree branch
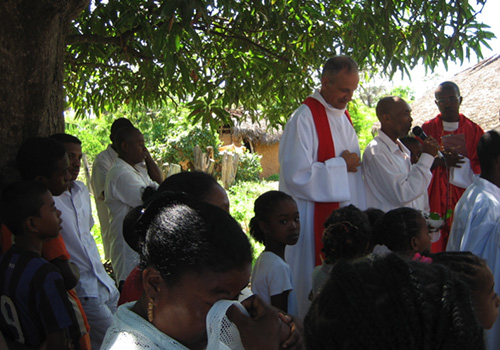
119 41
242 38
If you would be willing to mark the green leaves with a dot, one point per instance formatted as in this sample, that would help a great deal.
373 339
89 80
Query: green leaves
261 55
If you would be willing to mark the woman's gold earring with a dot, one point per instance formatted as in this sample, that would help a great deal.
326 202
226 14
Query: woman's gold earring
150 310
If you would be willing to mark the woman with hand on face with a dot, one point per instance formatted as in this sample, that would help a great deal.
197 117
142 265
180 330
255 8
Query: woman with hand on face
193 254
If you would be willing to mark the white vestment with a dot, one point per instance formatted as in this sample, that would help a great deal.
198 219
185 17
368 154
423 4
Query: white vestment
476 228
309 181
391 181
125 185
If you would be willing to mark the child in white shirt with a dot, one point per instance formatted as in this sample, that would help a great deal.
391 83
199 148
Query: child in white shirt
275 224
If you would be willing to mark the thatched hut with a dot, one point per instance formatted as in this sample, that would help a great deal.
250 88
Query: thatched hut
480 88
257 137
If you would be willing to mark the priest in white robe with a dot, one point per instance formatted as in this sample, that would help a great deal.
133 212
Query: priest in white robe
310 181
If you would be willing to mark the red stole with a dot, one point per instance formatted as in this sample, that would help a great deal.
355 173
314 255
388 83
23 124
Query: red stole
442 194
326 150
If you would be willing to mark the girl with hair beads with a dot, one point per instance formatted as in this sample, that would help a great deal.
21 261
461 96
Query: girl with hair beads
275 224
347 236
388 303
403 231
474 271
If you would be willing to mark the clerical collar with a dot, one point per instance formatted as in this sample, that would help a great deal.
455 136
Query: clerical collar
334 111
450 126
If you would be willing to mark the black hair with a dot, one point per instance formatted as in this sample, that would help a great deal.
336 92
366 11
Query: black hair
466 264
384 105
123 135
66 138
374 214
19 201
447 85
338 63
195 183
182 235
264 207
117 125
39 156
344 240
396 229
130 230
349 213
488 150
389 304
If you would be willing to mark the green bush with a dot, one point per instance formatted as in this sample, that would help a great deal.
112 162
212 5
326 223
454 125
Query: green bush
93 132
178 147
242 197
249 167
273 177
363 119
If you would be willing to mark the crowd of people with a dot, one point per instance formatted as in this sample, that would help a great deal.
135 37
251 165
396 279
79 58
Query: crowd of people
348 260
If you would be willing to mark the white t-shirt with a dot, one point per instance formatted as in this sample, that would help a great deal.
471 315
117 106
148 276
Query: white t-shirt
272 276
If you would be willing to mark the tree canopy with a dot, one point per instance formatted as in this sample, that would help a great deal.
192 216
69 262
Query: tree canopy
262 55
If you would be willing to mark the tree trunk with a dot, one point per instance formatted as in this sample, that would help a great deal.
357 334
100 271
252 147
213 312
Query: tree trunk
32 45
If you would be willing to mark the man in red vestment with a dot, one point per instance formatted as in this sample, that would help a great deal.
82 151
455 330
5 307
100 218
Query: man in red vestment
459 152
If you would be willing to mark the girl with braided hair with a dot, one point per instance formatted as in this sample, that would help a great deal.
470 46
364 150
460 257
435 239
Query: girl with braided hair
276 224
346 236
403 231
474 271
388 303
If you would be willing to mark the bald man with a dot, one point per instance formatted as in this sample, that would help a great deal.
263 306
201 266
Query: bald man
391 181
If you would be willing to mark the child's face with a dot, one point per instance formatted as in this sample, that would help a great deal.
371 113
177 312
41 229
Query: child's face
486 300
48 223
283 225
422 242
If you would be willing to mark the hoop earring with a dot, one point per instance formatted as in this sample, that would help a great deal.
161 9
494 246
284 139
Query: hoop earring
150 310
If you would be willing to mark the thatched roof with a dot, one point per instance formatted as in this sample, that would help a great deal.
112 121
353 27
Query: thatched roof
257 132
480 88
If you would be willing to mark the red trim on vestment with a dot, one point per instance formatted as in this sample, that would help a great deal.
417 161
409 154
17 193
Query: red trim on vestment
326 150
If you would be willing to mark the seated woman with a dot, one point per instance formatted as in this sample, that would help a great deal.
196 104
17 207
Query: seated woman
192 255
390 304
